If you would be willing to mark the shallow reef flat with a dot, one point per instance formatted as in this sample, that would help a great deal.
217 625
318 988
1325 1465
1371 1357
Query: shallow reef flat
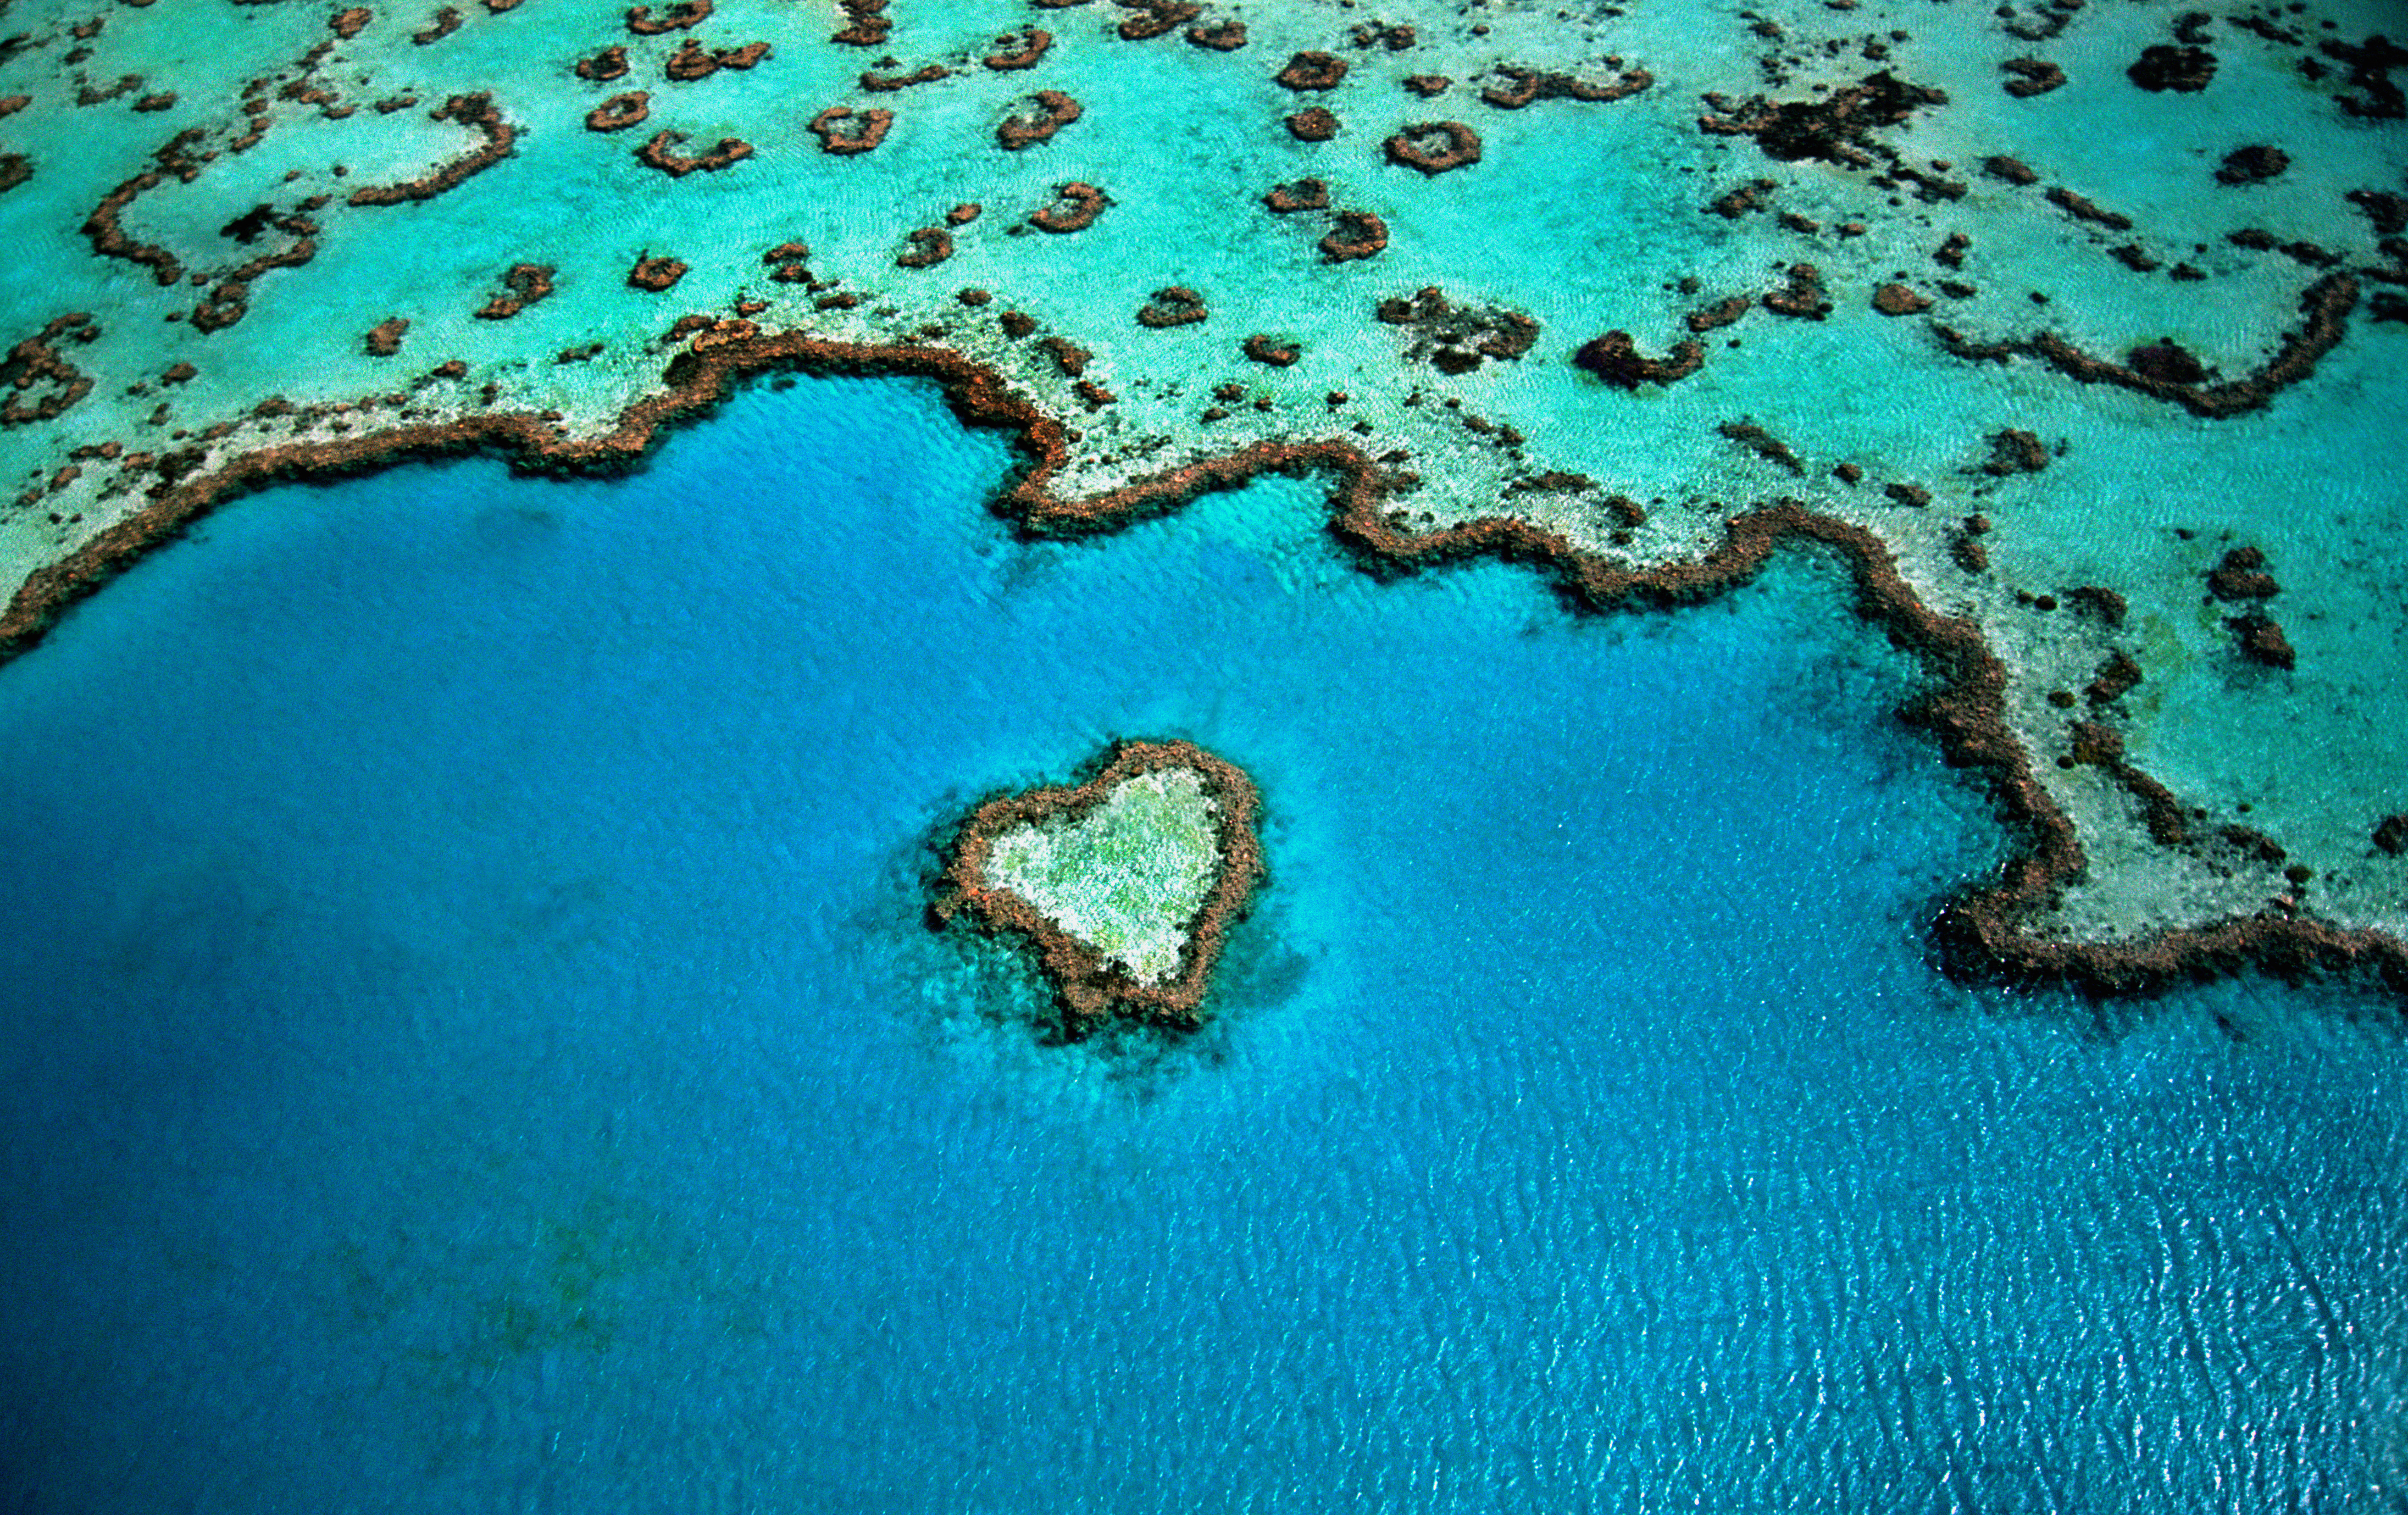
2072 329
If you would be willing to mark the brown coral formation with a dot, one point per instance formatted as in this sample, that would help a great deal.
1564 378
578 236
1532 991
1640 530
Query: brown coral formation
1354 234
447 20
866 24
619 112
888 83
1019 50
1226 36
2167 363
927 247
36 362
2116 677
1316 124
1434 147
2242 575
2261 640
1837 128
2032 77
1720 314
2092 743
609 64
524 284
108 236
1052 110
1772 449
845 132
1174 305
1271 351
231 299
660 152
657 275
475 111
1075 208
1303 194
1898 300
95 95
691 61
1803 297
2105 604
673 18
2184 70
384 339
1743 199
1068 355
1615 358
348 24
1521 87
1091 987
1308 71
2013 451
2081 208
2370 69
1156 18
2252 165
2161 373
1453 338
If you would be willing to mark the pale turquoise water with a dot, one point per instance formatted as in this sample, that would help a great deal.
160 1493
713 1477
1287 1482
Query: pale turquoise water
472 1044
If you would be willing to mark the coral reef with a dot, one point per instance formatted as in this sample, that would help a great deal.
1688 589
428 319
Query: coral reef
657 275
845 132
660 152
1354 234
1091 981
1615 358
1434 147
1053 111
1075 208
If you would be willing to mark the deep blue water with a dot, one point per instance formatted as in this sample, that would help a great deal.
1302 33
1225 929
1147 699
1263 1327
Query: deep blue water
471 1044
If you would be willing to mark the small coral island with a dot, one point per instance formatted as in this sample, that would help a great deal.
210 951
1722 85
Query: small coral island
1125 884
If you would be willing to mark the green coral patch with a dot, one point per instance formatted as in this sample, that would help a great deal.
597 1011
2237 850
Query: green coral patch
1128 877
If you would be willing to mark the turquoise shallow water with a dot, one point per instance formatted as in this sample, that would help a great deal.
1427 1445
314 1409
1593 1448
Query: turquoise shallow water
472 1044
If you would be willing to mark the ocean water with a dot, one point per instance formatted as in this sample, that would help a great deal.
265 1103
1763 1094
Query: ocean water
472 1043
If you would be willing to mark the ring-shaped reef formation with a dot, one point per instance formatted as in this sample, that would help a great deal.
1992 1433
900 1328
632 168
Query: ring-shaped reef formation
1125 885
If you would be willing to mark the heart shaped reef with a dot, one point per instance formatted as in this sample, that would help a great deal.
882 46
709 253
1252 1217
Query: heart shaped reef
1124 885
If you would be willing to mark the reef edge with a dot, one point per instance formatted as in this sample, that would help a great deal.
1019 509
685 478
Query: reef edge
1977 935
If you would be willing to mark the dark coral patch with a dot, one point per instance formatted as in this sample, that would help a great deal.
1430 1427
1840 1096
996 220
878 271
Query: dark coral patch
656 275
847 133
1434 147
1174 305
1312 71
619 113
1316 125
1357 234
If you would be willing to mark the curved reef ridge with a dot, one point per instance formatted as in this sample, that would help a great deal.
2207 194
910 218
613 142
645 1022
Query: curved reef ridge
1093 980
1623 394
1984 934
